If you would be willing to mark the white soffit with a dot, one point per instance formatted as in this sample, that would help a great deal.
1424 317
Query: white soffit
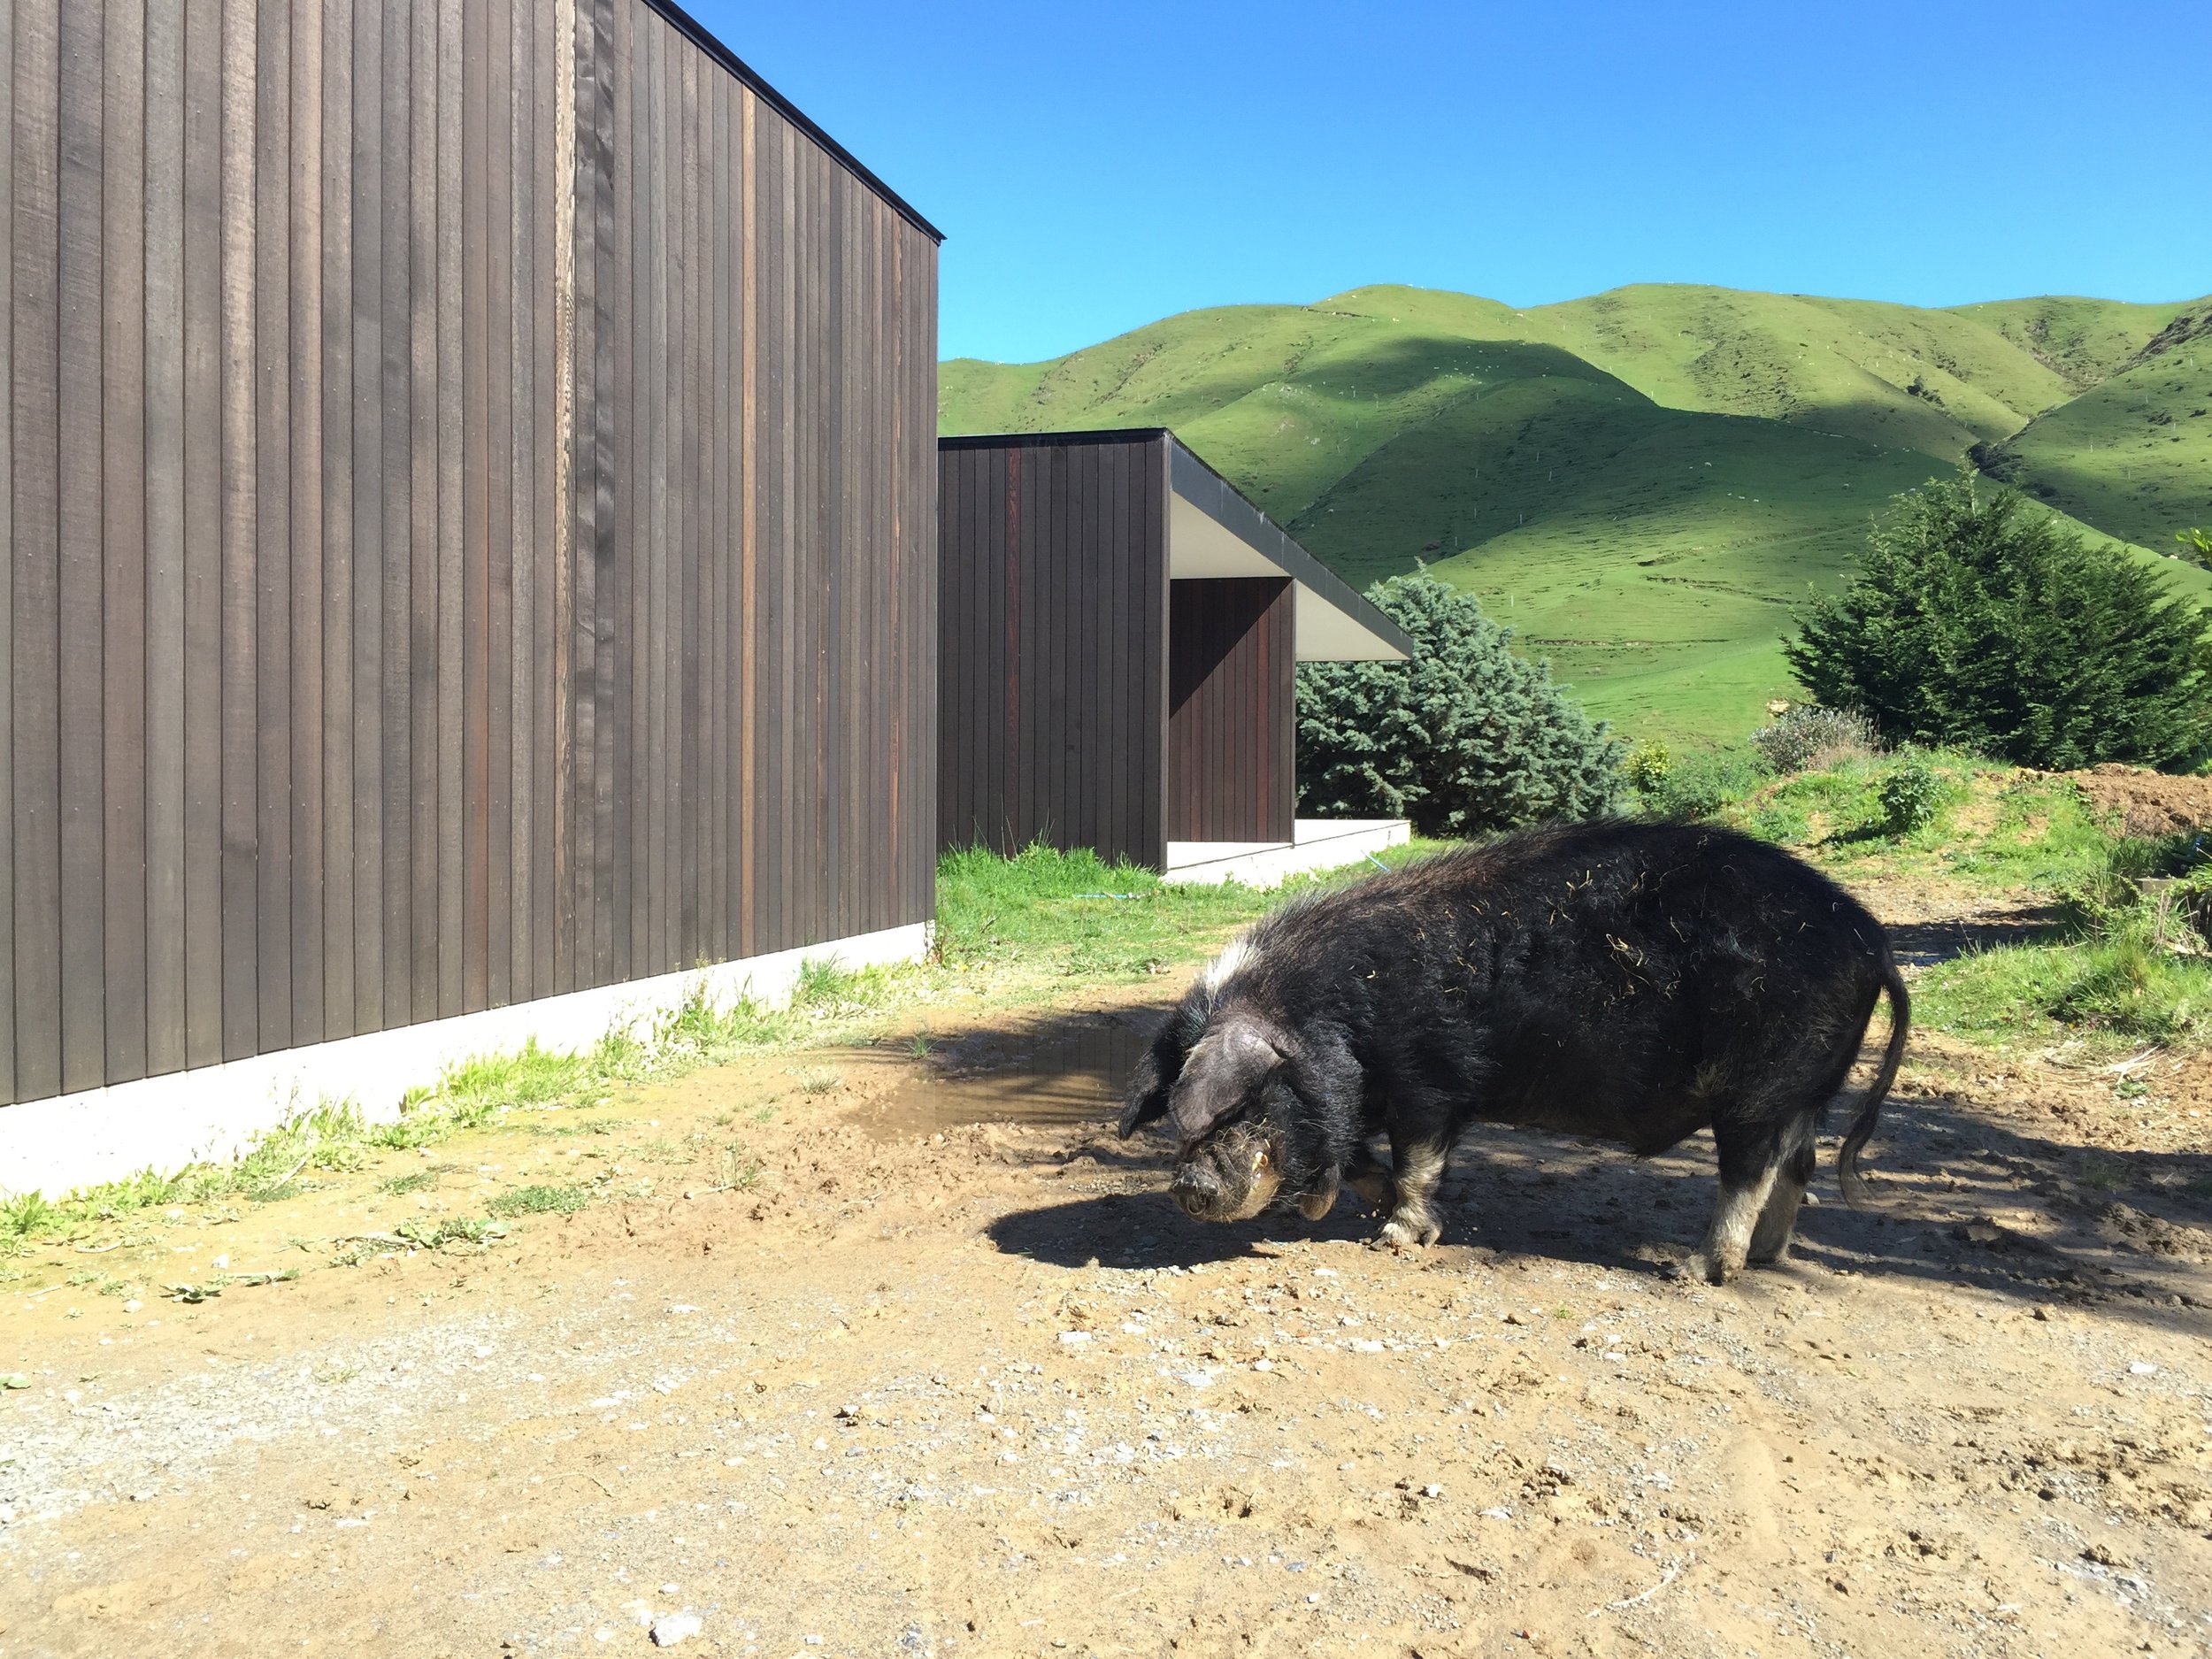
1199 547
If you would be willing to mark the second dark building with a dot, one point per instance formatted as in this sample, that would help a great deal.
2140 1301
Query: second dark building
1120 629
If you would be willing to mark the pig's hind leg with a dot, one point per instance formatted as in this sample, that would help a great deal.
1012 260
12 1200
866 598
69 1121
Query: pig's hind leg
1777 1221
1751 1166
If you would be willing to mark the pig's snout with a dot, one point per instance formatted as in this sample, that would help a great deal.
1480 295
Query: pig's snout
1227 1177
1196 1189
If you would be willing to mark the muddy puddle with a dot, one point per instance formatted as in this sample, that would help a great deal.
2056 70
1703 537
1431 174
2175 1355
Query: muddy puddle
1067 1069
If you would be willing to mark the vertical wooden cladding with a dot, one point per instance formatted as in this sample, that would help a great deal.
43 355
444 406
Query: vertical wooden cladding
1231 719
466 473
1052 618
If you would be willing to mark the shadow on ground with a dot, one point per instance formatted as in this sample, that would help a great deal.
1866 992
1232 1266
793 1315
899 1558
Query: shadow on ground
1962 1202
1923 944
1965 1197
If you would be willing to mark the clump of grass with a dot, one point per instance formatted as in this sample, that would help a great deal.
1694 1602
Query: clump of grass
2106 1175
426 1233
415 1181
1699 783
476 1092
23 1218
739 1169
818 1082
2114 980
1966 817
541 1201
1073 915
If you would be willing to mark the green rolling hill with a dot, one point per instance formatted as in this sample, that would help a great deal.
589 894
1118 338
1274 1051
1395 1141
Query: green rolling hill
1644 481
2132 455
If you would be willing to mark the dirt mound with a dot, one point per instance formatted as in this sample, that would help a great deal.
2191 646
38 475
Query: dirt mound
2148 802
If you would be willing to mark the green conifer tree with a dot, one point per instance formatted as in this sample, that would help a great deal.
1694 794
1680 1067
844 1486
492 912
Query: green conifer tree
1974 620
1464 738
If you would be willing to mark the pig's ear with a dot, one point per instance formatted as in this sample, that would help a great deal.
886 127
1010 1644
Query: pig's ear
1155 1076
1226 1071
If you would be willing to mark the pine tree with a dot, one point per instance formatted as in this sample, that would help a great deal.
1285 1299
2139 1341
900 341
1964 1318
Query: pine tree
1464 737
1974 620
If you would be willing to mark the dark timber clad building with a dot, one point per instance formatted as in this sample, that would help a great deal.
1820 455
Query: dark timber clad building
1120 628
468 477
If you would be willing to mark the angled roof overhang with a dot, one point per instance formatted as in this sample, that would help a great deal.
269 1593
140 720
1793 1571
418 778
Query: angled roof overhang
1213 531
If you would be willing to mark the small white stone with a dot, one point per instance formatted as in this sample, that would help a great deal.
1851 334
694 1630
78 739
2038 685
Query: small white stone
2141 1368
1074 1339
674 1628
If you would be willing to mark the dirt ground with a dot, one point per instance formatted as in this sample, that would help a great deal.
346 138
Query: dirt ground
926 1363
2147 803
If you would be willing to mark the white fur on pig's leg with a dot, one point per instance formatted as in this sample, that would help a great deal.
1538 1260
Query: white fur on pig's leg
1778 1220
1729 1243
1412 1225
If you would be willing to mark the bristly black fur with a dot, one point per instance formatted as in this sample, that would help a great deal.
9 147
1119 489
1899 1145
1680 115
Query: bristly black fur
1633 981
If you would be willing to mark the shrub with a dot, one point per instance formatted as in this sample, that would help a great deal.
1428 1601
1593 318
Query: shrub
1649 764
1700 783
1912 796
1464 737
1974 621
1809 737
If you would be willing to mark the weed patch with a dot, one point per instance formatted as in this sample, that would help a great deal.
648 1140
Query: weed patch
415 1181
541 1201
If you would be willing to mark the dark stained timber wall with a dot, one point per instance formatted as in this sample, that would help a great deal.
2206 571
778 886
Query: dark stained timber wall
1231 713
468 475
1053 698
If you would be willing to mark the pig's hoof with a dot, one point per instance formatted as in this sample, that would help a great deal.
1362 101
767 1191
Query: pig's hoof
1410 1233
1716 1270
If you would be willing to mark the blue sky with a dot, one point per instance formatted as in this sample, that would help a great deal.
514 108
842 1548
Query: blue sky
1095 168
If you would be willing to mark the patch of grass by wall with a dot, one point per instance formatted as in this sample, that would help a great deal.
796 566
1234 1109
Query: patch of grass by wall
1019 928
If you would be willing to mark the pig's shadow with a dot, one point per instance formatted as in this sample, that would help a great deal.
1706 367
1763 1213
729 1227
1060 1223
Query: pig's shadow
1497 1197
1138 1230
1518 1197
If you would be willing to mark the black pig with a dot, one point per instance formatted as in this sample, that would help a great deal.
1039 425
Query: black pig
1633 981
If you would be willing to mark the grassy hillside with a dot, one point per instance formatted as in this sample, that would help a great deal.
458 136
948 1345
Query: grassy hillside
1838 366
1641 482
2081 340
2133 454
